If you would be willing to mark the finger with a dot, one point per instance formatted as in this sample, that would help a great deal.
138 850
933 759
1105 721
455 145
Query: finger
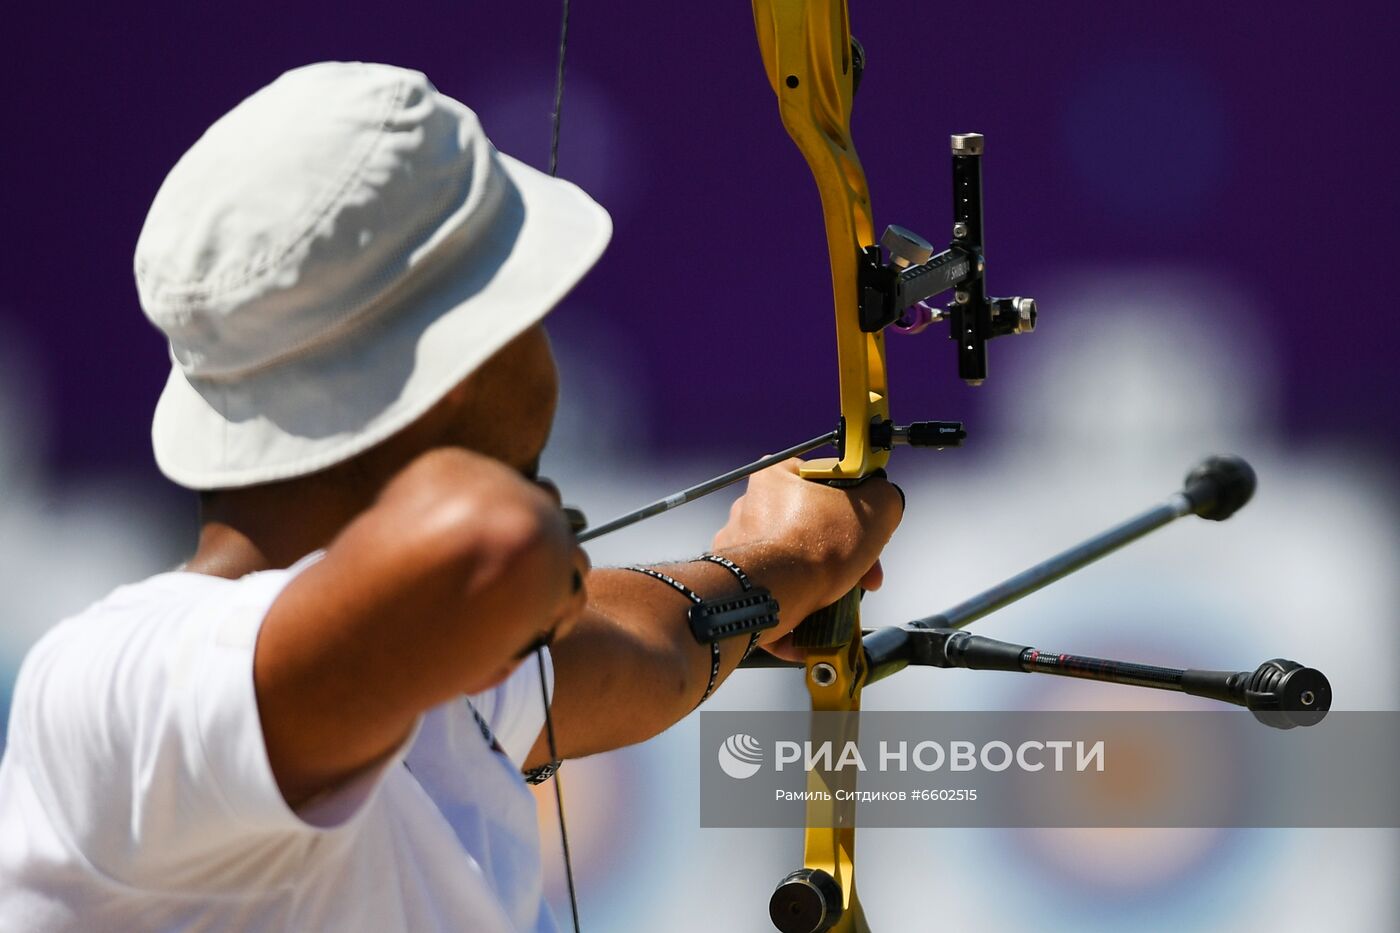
790 465
879 494
549 489
576 602
578 522
576 586
785 649
903 499
882 480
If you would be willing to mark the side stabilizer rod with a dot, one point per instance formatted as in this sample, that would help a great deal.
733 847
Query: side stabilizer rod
1280 693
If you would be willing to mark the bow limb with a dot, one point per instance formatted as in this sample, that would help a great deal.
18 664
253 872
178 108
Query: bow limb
809 57
812 67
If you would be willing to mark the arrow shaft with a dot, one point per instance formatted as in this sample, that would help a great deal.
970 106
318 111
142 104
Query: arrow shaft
701 490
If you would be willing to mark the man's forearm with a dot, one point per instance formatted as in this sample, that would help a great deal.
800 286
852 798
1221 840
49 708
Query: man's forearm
631 668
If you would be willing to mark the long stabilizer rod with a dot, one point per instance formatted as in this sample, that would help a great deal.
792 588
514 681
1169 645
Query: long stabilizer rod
1280 693
1214 490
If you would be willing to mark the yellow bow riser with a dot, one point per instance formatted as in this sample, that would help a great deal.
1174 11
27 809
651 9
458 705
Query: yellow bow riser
810 60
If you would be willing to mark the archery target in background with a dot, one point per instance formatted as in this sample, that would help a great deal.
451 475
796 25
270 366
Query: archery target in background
1122 864
1133 873
1138 380
1120 399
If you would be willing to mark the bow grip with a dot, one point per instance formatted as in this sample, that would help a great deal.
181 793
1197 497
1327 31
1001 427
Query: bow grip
837 625
832 626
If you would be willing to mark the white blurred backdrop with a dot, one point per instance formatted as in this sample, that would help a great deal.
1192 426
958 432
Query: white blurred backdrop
1118 399
1103 417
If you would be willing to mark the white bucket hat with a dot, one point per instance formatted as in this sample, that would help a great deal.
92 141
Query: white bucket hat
330 259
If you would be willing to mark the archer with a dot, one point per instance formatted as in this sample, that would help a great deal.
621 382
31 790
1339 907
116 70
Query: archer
324 719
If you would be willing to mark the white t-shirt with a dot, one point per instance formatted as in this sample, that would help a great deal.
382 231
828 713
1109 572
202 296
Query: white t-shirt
135 793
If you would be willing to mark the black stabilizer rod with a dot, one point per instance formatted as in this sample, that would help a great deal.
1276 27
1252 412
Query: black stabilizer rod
1215 489
1280 693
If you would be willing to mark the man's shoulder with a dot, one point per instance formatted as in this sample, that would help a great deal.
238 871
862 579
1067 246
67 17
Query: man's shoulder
143 633
175 595
153 591
135 722
158 596
122 613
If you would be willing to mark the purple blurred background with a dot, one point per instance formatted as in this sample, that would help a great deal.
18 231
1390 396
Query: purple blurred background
1200 196
1254 147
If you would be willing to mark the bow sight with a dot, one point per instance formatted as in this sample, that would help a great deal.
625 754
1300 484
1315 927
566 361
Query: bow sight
897 292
